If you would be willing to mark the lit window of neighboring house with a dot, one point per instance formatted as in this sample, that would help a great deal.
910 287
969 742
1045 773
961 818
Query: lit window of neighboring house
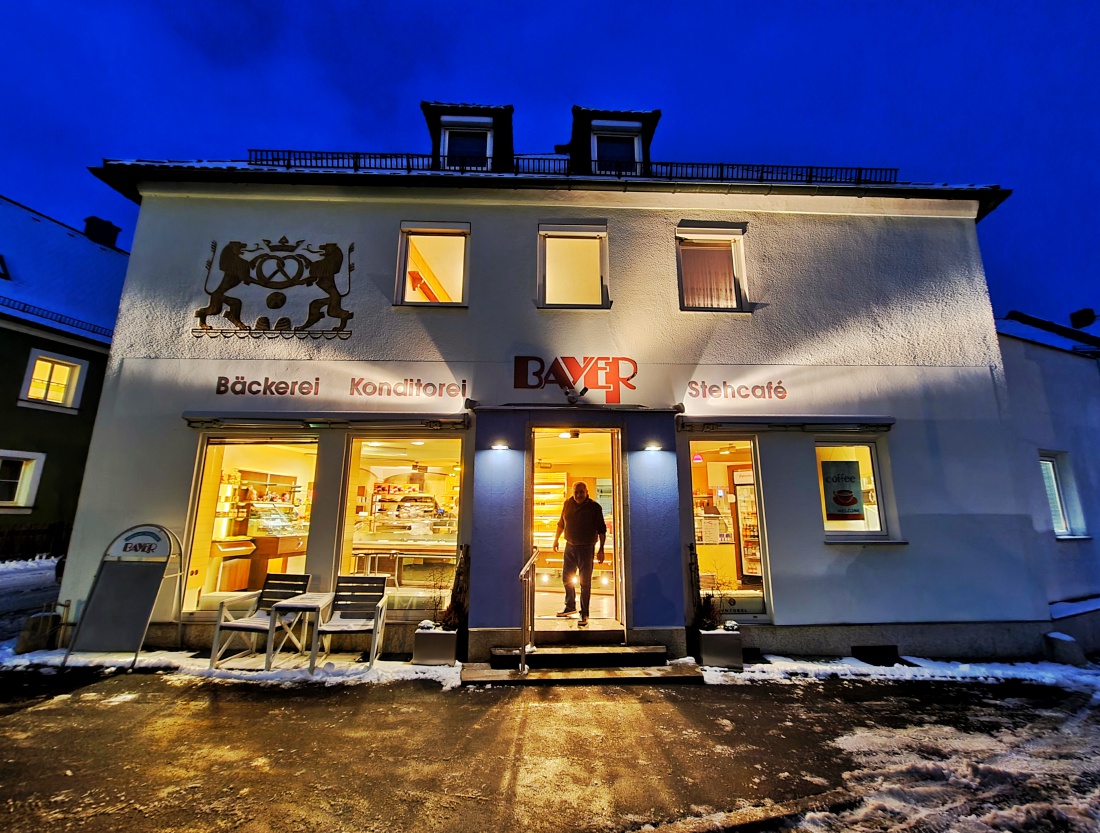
1065 510
467 142
616 147
53 381
712 268
434 260
20 472
573 266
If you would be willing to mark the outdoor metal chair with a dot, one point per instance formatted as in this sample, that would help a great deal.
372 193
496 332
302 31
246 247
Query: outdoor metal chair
359 606
257 620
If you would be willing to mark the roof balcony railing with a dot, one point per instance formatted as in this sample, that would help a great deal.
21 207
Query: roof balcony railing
561 166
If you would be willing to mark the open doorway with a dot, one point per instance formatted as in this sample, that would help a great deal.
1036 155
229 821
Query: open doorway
561 458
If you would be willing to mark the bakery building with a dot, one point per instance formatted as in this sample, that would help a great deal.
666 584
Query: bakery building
782 384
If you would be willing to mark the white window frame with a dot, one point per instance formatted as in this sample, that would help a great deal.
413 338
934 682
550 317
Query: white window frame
438 229
590 231
29 478
887 531
466 124
1065 486
617 129
73 392
733 236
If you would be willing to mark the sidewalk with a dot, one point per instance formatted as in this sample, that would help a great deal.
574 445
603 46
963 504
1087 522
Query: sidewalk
825 745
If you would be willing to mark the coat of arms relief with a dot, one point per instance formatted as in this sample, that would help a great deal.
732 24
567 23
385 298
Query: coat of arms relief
267 276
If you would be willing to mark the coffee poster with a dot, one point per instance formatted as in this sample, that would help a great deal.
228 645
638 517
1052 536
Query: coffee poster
843 496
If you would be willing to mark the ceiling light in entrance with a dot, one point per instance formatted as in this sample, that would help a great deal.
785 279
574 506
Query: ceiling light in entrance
564 435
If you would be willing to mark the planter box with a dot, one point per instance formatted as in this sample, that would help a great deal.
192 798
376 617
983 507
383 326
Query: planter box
434 647
720 649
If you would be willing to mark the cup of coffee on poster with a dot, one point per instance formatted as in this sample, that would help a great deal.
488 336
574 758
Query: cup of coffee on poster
843 497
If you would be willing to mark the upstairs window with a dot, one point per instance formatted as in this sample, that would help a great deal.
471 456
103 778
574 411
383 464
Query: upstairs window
573 266
53 381
433 264
711 269
616 147
467 143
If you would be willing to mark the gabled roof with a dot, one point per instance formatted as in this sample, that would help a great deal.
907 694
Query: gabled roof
59 279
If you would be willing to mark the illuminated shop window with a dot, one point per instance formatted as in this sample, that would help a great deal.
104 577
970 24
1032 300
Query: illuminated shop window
433 264
848 489
53 380
251 517
401 518
573 266
20 472
711 269
1058 485
726 518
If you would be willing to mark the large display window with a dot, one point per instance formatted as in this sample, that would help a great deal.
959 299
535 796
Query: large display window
401 518
726 520
252 516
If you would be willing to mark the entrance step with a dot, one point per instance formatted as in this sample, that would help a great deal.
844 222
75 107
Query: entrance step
483 674
582 656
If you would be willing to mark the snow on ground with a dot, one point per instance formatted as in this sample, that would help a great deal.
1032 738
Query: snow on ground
25 587
1044 776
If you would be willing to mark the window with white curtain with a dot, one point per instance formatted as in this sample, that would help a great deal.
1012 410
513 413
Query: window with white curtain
711 269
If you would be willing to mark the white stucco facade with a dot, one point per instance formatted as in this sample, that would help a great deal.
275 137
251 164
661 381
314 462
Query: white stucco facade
867 319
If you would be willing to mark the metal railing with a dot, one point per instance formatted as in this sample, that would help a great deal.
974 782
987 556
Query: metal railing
527 624
564 166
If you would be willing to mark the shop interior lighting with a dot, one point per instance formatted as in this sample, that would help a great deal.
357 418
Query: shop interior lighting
725 450
564 435
374 443
604 581
418 442
698 458
575 434
545 578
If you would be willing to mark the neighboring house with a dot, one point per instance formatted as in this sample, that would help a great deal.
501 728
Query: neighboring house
783 385
1054 394
59 291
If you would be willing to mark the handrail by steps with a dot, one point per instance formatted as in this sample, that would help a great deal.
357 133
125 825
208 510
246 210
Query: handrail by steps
527 625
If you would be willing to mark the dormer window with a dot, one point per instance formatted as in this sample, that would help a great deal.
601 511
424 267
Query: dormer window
616 147
467 143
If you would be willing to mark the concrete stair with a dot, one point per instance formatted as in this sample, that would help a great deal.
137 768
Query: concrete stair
581 664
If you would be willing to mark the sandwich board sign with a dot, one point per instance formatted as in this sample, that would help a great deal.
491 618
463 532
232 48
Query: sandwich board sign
120 604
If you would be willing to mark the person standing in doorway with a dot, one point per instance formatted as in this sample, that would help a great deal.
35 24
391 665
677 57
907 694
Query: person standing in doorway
583 524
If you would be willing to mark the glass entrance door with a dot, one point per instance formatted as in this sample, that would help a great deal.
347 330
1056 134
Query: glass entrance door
563 457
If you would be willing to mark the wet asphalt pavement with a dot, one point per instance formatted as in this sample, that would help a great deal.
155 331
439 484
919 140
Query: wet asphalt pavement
84 751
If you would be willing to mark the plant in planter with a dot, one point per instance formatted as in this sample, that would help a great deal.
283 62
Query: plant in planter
719 642
437 643
432 645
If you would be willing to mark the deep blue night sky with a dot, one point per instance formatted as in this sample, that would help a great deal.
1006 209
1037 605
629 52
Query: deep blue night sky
948 91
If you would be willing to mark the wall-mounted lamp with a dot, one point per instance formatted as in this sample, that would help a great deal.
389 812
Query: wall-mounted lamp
678 407
653 447
499 446
470 404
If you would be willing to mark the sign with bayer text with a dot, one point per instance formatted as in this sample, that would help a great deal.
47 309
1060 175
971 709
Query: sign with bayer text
843 496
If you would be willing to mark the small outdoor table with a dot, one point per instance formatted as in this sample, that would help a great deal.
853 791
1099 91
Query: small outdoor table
293 616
